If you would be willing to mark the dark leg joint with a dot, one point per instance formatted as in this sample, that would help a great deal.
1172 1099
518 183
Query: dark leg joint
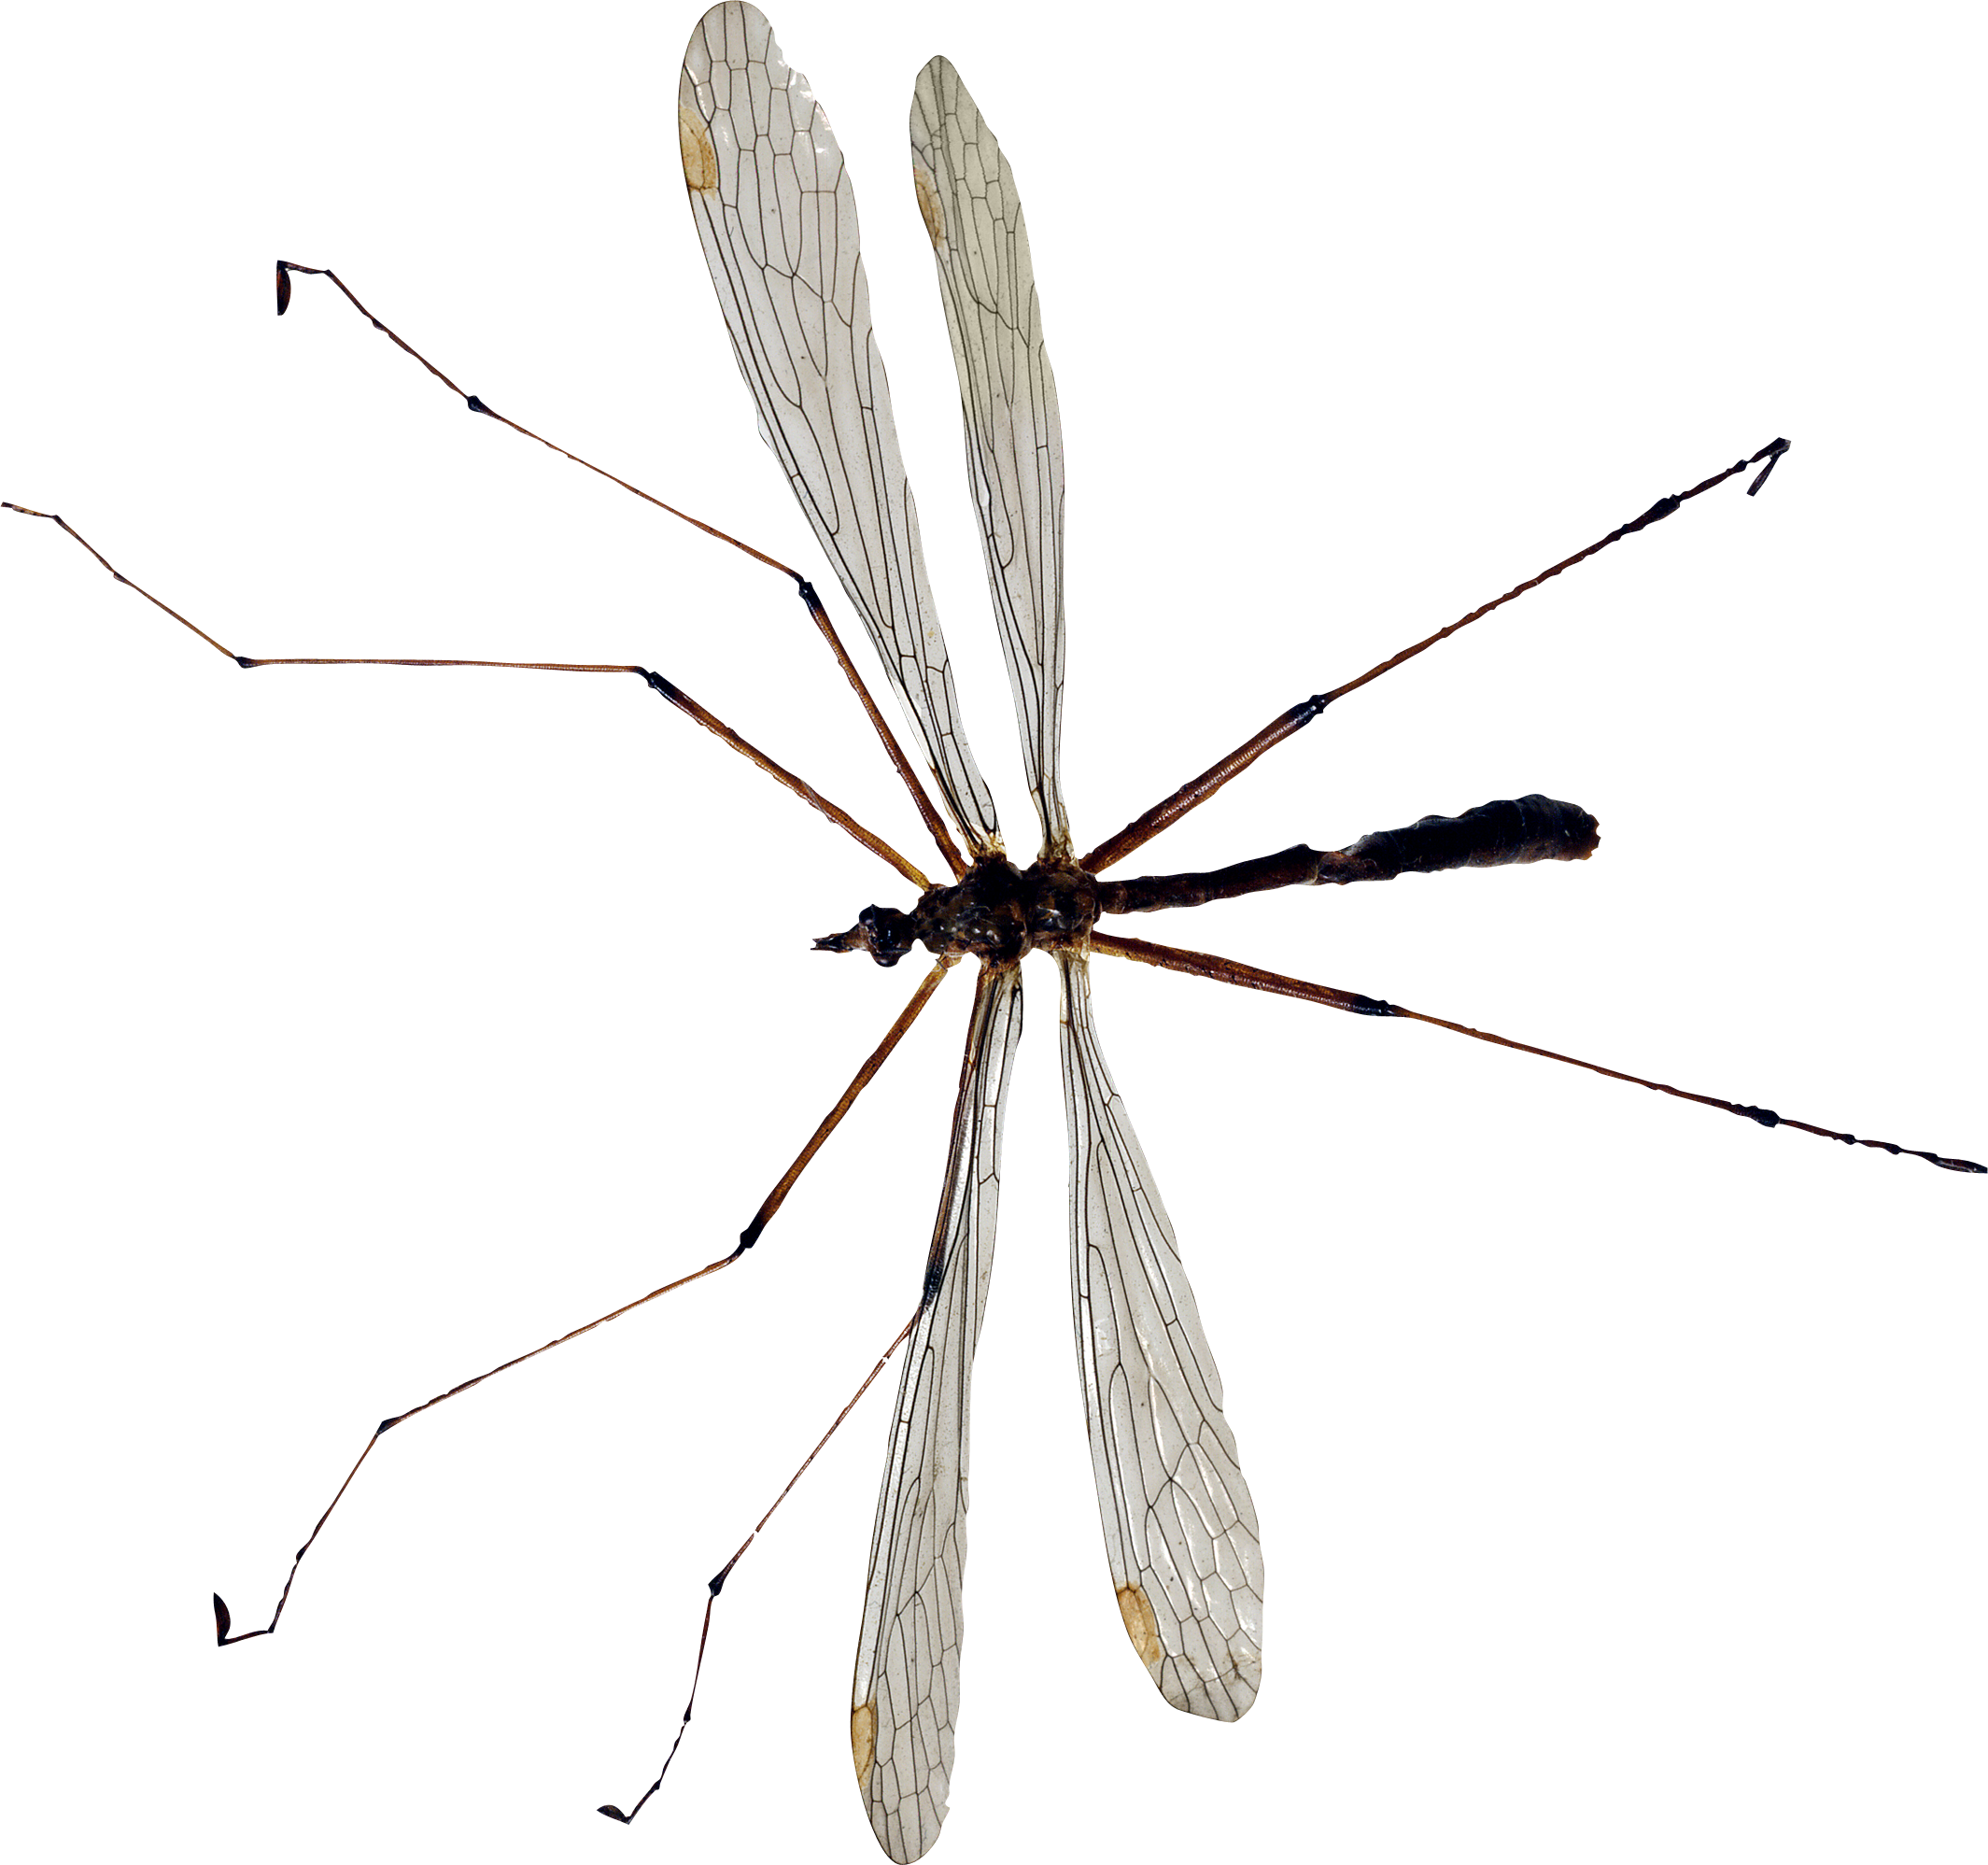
1766 1116
1662 509
1771 452
478 404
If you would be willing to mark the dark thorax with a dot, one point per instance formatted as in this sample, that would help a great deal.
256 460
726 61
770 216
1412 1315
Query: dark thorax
994 912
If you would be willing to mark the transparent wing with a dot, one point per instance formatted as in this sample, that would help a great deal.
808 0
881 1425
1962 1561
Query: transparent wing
1179 1527
1008 398
778 222
906 1697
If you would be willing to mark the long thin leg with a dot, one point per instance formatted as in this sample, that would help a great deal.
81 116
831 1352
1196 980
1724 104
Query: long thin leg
223 1620
1229 971
718 1580
778 1196
927 810
1197 790
668 689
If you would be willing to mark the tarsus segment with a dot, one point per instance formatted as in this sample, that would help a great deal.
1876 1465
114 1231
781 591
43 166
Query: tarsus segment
1197 790
56 518
223 1620
1229 971
477 405
716 1583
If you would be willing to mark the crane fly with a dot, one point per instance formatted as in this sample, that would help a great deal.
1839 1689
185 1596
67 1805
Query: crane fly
901 1737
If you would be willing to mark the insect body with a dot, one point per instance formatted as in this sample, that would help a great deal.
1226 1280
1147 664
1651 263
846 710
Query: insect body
994 1033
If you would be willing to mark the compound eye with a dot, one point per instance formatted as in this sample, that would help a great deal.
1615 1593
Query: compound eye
887 932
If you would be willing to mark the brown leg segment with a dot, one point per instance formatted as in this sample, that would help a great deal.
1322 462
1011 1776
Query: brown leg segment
1197 790
1228 971
668 689
777 1196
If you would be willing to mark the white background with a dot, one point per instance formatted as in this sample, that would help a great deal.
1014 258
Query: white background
1620 1464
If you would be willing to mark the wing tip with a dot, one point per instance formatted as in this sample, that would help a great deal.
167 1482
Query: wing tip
1224 1699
